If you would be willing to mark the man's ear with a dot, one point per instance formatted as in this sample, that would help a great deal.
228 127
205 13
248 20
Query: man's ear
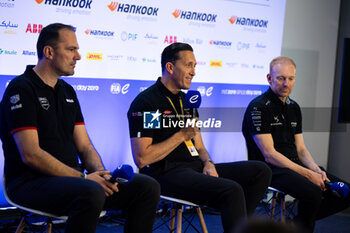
169 67
269 78
48 52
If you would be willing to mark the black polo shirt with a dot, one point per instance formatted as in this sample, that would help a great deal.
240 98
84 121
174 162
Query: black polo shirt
150 100
28 103
267 114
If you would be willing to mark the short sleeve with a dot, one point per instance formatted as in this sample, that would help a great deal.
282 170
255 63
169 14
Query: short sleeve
19 108
79 119
257 119
299 128
135 117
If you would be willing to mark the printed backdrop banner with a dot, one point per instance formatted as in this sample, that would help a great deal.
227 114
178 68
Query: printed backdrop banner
120 45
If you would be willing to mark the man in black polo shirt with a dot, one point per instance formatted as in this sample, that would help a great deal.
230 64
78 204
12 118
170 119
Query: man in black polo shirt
42 131
272 127
176 156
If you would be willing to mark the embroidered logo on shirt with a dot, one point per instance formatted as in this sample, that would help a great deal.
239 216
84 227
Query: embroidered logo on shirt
277 121
14 99
44 102
256 118
69 100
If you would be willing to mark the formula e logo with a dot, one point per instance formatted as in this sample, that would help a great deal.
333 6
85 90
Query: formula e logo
116 88
194 99
204 91
151 120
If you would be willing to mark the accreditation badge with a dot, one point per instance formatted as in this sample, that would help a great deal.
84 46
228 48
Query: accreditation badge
191 148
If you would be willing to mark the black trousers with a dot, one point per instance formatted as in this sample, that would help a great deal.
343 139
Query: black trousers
313 204
83 200
236 193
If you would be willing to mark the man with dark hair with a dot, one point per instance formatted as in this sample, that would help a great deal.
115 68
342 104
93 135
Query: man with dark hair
177 158
272 127
43 131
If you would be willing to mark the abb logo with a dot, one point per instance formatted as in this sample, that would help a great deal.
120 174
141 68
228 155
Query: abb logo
34 28
170 39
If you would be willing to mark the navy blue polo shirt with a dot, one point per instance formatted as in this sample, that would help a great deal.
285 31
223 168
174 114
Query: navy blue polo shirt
150 100
28 103
267 114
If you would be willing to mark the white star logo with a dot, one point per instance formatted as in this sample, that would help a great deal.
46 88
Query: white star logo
155 115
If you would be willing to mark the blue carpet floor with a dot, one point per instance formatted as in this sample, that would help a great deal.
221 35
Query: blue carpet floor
338 223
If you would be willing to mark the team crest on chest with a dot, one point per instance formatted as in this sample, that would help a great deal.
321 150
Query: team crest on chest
44 102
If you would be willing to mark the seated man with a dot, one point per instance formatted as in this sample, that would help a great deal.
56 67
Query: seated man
168 154
272 128
42 130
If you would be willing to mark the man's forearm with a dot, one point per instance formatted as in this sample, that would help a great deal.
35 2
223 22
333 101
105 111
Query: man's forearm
91 159
47 164
306 158
146 153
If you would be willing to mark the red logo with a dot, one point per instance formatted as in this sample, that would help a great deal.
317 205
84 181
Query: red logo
39 1
170 39
176 13
113 6
34 28
167 112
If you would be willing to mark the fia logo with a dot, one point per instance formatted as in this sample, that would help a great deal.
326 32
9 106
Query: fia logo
151 120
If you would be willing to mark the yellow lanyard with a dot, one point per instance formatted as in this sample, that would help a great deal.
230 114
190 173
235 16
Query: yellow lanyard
182 110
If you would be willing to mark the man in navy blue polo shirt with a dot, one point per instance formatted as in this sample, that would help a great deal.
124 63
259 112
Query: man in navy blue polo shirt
272 127
43 131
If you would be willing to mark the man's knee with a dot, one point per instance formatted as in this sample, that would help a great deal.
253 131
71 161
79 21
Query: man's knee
149 186
233 194
264 171
312 196
93 195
